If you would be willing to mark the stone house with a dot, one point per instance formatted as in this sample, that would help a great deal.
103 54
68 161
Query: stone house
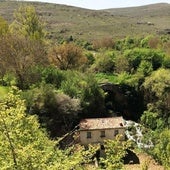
96 130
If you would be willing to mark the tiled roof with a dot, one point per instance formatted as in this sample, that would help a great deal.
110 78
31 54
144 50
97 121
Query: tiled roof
101 123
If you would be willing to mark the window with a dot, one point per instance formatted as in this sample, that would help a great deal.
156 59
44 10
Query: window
102 134
116 132
88 134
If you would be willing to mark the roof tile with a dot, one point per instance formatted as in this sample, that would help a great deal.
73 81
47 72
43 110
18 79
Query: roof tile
101 123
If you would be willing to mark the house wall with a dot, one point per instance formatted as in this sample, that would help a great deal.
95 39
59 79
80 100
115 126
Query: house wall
96 135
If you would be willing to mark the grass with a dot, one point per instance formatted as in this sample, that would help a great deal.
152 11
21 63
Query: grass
105 78
64 21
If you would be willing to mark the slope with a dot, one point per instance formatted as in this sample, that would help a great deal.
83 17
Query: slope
65 21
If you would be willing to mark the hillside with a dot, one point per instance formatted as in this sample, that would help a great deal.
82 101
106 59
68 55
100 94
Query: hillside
64 21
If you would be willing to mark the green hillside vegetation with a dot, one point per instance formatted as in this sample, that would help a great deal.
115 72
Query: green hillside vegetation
52 76
65 21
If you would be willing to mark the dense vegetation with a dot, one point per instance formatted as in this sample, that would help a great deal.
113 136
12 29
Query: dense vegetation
54 85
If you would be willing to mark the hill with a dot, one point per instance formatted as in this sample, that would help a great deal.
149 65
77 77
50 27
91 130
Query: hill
66 21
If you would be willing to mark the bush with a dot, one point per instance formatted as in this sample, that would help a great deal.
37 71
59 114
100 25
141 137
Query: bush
104 63
136 55
103 43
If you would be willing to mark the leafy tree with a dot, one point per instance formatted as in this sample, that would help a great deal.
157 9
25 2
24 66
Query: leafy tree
72 83
130 43
18 54
162 148
145 68
3 31
151 119
135 56
115 152
92 98
67 56
157 87
53 108
104 62
28 23
158 82
52 75
121 64
22 144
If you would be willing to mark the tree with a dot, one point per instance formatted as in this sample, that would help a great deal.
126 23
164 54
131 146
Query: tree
53 108
22 144
158 83
115 152
18 54
28 23
92 98
105 62
157 94
162 148
135 56
67 56
145 67
121 64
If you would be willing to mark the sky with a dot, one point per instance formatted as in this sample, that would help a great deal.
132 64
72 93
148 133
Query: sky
104 4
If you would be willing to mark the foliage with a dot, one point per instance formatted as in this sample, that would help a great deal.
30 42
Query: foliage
92 98
28 23
127 43
60 96
67 56
145 68
106 77
104 62
3 92
23 145
158 82
72 85
106 42
121 64
52 107
150 119
157 93
155 42
162 147
90 58
18 54
115 151
166 62
3 26
52 75
137 55
145 41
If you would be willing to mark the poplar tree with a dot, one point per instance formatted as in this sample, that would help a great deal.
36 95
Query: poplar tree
28 23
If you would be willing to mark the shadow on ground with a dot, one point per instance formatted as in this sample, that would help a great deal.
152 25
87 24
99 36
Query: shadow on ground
131 158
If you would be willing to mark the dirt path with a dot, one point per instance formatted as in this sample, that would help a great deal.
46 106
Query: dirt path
145 161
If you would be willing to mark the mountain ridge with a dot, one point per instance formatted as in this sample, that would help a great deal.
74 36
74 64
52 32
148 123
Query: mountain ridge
63 21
